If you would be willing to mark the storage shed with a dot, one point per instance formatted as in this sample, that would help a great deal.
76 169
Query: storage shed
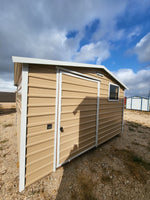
63 110
138 103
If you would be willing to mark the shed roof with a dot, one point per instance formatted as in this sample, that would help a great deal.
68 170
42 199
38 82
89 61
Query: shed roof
61 63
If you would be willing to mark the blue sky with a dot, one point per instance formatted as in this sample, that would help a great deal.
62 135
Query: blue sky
113 33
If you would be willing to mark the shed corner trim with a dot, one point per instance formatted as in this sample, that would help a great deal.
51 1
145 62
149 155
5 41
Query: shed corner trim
23 127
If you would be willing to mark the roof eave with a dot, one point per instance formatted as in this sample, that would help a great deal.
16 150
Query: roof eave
62 63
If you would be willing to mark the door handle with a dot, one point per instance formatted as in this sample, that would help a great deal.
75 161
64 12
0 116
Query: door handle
61 129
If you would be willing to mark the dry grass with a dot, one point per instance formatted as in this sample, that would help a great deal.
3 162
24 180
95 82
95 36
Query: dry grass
136 165
133 126
118 169
105 178
1 148
131 129
4 141
86 186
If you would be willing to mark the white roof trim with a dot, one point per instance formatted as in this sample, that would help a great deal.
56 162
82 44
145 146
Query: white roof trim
62 63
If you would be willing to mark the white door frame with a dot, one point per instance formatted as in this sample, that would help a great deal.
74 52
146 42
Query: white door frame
61 71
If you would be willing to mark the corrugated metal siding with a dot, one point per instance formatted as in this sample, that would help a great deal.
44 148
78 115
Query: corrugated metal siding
137 103
145 104
41 111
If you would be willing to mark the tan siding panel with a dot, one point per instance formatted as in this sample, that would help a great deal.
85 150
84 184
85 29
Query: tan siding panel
41 111
88 101
78 136
40 146
47 72
39 128
68 146
77 82
37 119
110 105
79 127
79 121
108 136
81 107
109 124
67 86
36 138
42 82
40 173
104 131
40 162
111 120
75 151
77 94
41 91
110 110
65 117
41 153
41 101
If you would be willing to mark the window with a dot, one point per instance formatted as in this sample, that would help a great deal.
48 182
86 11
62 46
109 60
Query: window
113 92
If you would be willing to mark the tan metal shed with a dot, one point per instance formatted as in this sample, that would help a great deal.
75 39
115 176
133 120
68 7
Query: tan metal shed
63 110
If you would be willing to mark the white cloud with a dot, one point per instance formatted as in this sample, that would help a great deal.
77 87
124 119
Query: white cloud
38 29
7 86
135 32
91 52
142 49
138 83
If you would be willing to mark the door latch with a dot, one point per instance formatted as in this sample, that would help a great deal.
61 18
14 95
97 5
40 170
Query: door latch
61 129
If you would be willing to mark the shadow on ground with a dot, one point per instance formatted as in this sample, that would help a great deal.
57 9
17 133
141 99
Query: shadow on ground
118 169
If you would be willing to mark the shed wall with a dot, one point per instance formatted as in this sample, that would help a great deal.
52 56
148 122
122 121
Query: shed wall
110 112
145 105
137 103
41 111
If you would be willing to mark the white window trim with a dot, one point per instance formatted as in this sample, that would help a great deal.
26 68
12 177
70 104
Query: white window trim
22 159
109 92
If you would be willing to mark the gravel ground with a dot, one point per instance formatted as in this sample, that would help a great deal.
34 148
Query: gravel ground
118 169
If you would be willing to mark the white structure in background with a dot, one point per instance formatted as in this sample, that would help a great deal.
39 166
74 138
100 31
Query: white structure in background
138 103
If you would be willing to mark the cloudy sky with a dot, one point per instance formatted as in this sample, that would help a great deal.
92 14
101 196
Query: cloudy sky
113 33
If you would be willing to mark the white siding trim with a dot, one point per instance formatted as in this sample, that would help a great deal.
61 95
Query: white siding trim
59 117
97 123
66 161
22 158
62 63
78 73
56 119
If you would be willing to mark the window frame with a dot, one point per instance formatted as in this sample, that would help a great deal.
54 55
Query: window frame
109 92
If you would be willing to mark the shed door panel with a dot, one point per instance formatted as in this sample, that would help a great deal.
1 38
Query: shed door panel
78 116
136 104
145 104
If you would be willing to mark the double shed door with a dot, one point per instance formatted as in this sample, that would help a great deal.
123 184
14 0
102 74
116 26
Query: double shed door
77 115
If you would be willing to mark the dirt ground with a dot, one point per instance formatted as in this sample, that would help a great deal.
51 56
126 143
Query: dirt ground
117 170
